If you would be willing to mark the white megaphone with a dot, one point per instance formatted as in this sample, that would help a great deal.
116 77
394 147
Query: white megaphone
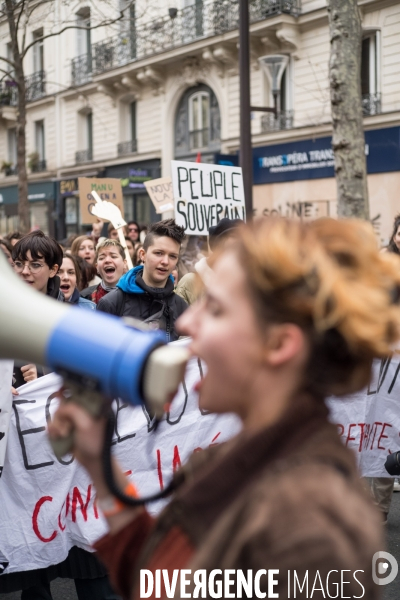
100 351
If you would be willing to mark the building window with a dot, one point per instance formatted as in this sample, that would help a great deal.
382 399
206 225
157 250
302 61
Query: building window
12 151
38 51
198 124
85 136
127 129
128 29
37 160
371 97
278 76
199 120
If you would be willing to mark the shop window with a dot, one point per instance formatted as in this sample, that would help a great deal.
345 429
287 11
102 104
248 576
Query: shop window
370 50
39 216
197 124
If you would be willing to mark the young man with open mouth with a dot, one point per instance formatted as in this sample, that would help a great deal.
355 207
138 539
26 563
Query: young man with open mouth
147 291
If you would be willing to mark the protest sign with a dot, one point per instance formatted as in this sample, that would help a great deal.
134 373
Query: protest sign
6 371
107 189
161 194
369 420
48 505
204 194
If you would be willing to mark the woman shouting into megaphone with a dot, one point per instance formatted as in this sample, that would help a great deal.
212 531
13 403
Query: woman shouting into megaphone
291 313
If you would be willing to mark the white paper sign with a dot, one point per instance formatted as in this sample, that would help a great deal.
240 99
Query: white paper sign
205 194
48 506
161 194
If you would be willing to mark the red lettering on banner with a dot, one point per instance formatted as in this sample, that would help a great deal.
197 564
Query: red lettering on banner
35 516
349 438
176 461
159 471
383 436
340 429
376 429
76 497
361 436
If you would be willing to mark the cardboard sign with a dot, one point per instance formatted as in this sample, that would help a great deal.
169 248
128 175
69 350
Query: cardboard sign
204 194
107 189
161 194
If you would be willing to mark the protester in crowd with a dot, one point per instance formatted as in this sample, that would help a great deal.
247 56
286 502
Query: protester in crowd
6 247
112 233
175 275
134 232
70 277
394 244
14 237
83 246
147 292
111 264
131 248
88 273
137 256
37 259
189 285
281 327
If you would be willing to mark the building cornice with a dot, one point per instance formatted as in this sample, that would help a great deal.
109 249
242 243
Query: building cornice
96 166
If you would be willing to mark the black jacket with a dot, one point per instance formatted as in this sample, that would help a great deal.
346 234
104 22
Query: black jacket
160 307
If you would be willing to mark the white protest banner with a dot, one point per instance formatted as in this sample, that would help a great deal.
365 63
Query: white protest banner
204 194
48 506
369 421
161 194
6 371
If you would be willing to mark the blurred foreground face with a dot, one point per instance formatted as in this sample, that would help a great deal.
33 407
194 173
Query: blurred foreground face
225 334
87 251
396 239
67 276
110 265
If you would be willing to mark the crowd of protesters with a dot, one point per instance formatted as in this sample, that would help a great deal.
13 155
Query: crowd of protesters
91 273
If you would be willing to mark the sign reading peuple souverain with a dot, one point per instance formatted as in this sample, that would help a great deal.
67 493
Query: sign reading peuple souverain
204 194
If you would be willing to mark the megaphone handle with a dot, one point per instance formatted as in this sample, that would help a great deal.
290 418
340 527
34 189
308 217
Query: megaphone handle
91 400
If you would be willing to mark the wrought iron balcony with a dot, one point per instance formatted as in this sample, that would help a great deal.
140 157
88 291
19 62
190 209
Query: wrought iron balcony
83 156
124 148
8 93
35 85
200 20
284 120
371 104
81 69
39 166
8 171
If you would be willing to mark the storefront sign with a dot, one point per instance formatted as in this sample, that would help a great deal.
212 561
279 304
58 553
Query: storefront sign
161 194
314 159
68 187
136 179
204 194
108 189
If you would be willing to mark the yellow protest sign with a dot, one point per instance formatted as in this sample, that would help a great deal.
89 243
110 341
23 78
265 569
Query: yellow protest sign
107 189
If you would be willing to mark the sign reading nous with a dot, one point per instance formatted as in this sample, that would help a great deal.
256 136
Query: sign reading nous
314 159
204 194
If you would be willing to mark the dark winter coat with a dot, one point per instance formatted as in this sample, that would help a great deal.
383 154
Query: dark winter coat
160 307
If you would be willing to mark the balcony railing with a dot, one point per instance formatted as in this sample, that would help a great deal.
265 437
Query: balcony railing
8 93
81 69
200 20
125 148
371 104
284 120
35 86
8 171
39 166
83 156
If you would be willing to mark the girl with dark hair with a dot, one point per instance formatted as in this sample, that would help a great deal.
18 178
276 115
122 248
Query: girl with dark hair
70 277
394 244
280 327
